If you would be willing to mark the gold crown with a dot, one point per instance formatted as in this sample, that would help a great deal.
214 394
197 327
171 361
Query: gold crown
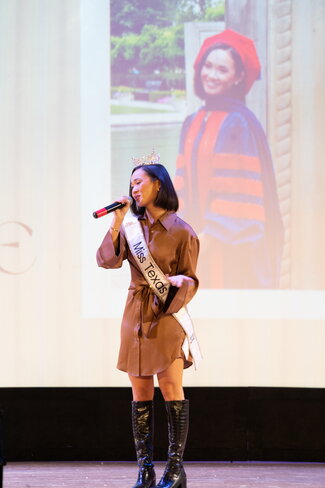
152 158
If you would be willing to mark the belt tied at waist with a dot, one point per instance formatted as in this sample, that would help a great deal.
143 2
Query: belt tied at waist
148 309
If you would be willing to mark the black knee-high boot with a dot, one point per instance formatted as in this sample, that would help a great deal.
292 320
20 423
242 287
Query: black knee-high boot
142 426
178 416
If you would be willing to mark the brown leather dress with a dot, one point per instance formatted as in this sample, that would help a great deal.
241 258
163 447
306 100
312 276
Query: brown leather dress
151 338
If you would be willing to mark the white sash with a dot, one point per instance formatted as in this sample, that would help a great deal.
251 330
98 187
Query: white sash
160 285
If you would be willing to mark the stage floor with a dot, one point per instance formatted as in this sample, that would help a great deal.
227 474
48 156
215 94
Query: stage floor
200 475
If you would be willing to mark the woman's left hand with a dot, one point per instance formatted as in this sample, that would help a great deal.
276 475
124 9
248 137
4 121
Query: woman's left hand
177 280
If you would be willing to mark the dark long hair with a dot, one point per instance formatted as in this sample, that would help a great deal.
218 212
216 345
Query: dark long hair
166 197
237 91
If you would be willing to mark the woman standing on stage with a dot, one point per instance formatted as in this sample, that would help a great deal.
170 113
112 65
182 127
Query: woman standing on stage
162 251
225 178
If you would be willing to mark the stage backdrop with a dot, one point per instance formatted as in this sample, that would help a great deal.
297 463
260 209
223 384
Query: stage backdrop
66 142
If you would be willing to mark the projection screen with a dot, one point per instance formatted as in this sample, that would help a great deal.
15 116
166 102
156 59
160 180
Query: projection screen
66 152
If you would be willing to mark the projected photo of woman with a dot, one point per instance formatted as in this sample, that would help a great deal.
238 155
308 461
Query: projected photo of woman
224 175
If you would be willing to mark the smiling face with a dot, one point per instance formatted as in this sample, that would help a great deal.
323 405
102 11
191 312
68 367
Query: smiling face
144 189
218 73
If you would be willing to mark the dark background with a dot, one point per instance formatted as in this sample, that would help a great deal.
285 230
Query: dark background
226 424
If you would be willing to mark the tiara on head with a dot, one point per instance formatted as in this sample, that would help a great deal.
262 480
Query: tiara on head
152 158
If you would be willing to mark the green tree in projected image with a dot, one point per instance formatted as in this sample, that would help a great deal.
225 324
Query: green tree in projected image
132 15
147 41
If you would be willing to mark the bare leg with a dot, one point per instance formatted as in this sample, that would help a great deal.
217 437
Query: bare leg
142 388
171 381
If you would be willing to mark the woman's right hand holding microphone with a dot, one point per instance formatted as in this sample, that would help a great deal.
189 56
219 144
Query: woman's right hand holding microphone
119 215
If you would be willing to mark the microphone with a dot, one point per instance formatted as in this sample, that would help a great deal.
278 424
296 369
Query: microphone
109 208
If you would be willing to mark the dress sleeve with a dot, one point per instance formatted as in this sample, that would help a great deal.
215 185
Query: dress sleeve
188 256
106 255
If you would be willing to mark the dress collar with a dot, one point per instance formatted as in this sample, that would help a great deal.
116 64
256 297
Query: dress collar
167 220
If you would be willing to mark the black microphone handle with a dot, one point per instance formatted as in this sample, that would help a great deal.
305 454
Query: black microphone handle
108 209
